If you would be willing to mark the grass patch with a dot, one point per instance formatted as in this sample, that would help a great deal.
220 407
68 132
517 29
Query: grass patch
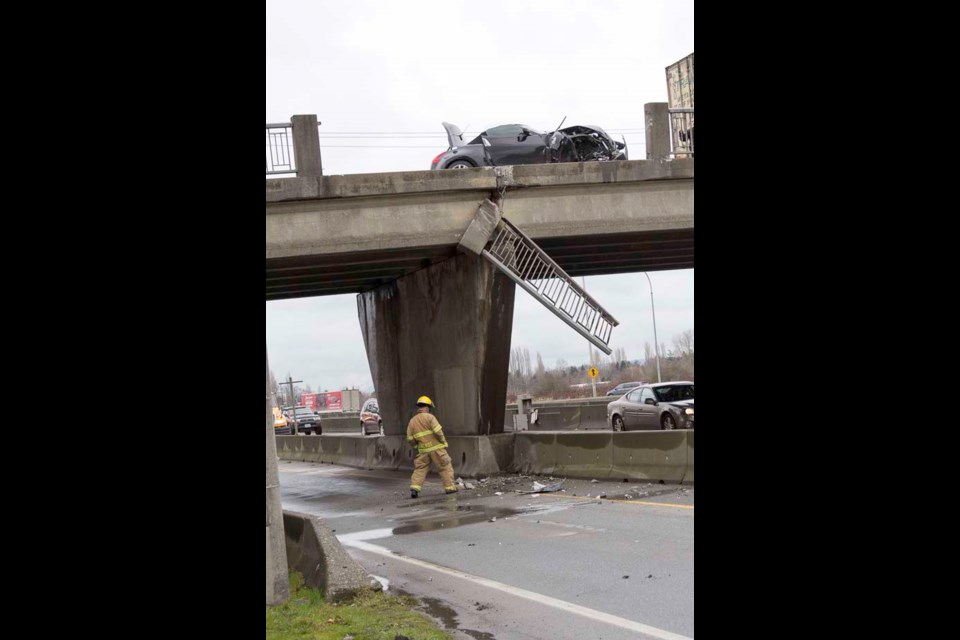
371 615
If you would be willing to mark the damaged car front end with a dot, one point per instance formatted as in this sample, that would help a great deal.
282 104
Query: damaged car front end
514 144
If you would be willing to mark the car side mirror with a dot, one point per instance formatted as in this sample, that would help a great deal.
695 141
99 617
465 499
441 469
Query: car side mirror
522 137
650 401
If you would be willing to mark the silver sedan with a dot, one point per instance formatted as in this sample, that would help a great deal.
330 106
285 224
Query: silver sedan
663 405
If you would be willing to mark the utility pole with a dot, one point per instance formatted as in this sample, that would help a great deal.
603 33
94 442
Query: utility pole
656 345
293 404
278 584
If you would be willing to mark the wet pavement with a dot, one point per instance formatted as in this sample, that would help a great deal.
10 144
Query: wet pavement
493 563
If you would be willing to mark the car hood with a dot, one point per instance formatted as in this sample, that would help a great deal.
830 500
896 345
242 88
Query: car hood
454 135
680 403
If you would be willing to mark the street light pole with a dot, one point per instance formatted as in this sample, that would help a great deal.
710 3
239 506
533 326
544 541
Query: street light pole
656 343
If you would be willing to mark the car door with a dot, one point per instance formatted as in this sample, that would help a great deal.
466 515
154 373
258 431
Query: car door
647 413
513 144
631 409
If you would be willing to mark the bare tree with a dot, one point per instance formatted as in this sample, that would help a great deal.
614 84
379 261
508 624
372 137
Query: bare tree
520 367
619 357
540 368
684 342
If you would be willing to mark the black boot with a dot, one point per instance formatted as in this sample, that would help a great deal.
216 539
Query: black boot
414 493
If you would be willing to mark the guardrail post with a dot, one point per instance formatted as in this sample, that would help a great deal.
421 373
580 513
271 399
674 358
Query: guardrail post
306 146
657 119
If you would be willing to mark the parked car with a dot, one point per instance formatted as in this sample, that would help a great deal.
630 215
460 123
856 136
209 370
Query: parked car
623 387
511 144
662 405
303 420
280 424
370 421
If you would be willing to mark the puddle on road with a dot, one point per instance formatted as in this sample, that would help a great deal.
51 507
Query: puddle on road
464 515
440 610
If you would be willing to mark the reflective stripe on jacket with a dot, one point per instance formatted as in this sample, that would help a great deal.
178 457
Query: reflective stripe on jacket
424 431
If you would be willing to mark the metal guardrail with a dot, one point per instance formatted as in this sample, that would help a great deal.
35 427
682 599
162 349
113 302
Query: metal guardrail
528 265
280 156
681 132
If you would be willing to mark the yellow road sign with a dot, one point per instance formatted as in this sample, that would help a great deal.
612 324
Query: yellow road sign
592 372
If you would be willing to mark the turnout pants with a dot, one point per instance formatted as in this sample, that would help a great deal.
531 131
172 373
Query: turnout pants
421 465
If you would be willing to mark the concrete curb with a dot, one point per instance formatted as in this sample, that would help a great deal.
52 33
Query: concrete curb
314 551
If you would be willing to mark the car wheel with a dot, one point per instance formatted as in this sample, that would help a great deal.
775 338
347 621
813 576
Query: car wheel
667 423
617 423
460 164
381 429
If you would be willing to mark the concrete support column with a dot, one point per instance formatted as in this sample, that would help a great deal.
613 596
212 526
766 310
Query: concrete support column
657 119
443 332
306 146
278 582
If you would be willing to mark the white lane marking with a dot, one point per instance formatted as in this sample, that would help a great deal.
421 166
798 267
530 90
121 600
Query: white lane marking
359 536
354 540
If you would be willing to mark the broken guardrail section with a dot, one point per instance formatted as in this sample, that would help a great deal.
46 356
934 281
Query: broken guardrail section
496 239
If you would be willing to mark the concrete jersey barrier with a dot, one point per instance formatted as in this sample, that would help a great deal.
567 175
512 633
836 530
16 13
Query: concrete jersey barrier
314 551
635 455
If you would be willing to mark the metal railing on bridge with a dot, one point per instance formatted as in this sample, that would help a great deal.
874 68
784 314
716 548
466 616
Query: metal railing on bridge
681 132
280 156
528 265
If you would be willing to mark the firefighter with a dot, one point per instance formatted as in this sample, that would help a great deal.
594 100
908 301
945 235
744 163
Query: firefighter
426 433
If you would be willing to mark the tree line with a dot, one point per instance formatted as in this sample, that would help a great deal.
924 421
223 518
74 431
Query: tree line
561 381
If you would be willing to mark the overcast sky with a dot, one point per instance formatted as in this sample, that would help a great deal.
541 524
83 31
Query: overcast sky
382 75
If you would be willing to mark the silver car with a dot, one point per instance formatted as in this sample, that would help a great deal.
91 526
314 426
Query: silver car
662 405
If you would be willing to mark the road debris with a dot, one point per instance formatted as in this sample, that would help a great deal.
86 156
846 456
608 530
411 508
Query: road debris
545 488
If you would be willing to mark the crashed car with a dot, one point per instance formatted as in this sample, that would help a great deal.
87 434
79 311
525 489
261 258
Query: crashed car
511 144
662 405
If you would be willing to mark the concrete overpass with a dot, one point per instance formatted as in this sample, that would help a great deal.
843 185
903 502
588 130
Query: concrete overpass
437 321
350 234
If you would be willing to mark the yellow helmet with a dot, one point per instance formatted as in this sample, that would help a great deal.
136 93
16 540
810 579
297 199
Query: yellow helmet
425 400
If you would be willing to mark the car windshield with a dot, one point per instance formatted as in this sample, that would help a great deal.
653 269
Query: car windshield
304 412
674 393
